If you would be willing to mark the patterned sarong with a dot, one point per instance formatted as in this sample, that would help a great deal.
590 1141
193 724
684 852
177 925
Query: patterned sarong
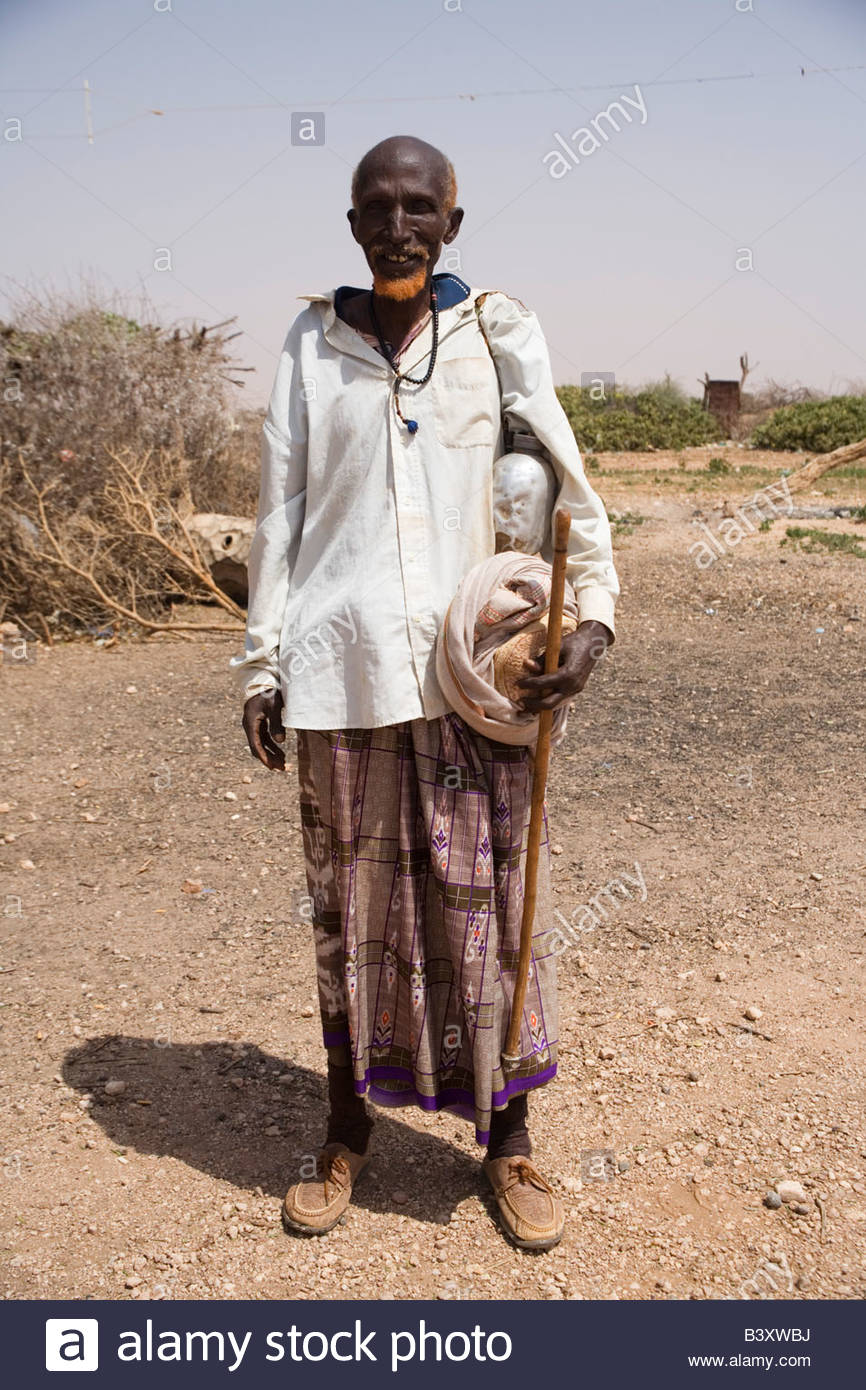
415 838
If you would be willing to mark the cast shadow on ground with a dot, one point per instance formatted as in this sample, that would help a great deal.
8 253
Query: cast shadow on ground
184 1101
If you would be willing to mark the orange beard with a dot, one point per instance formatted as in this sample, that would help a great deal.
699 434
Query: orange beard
400 287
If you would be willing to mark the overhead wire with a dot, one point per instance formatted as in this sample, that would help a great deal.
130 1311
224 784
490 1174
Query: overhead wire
510 92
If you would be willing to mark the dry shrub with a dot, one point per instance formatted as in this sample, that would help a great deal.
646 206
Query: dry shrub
229 481
113 429
125 555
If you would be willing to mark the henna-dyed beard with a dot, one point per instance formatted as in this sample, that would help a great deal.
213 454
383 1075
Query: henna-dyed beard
400 286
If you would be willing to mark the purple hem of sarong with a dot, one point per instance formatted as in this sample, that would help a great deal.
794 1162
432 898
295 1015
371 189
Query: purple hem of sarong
462 1102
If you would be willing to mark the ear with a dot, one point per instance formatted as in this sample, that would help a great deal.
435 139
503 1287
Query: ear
455 217
352 215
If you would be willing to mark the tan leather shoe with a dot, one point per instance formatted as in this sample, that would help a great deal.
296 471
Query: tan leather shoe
530 1214
316 1206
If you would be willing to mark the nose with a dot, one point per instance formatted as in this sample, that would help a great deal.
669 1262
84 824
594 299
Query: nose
397 226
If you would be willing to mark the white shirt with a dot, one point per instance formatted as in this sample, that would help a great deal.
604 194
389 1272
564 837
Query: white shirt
365 530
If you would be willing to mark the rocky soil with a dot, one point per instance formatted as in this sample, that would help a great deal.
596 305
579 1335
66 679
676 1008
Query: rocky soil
162 1074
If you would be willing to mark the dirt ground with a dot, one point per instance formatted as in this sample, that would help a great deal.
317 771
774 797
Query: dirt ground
162 1074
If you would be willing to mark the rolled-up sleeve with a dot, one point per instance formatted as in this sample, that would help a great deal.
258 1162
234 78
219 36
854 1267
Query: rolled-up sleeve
282 496
530 403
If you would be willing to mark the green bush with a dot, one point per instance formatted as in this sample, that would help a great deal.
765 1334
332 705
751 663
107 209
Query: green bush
816 427
813 540
625 522
661 416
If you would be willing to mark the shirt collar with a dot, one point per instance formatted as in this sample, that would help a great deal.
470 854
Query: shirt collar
458 298
452 293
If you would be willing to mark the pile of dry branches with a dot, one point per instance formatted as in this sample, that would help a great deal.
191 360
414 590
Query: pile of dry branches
112 432
128 557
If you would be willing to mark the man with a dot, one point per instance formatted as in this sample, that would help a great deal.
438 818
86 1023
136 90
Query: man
385 419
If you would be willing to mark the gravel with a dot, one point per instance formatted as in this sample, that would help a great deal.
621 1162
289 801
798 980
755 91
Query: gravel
177 991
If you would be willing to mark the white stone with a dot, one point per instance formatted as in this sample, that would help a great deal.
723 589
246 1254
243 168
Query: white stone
791 1191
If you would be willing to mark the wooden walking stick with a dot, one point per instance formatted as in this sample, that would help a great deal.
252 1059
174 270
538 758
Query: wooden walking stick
562 525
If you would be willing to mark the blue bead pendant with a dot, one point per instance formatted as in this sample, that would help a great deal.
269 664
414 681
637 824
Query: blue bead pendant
412 426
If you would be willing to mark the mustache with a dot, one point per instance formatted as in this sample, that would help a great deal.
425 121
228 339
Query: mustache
378 249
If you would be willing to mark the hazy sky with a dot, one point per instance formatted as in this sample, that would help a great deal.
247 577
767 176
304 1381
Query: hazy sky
630 257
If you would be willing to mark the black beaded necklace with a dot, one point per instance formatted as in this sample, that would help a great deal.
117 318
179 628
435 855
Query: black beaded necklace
411 425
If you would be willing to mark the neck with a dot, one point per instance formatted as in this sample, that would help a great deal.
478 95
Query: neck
397 317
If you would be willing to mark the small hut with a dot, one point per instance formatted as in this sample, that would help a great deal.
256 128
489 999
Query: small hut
723 398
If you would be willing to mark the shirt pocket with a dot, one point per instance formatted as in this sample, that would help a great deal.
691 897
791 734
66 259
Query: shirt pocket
466 404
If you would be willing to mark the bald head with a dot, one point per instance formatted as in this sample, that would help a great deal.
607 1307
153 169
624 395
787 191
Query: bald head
407 152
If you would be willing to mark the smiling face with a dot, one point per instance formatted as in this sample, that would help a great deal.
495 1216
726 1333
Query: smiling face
403 214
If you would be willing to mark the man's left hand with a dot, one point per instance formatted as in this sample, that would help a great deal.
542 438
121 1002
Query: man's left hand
579 653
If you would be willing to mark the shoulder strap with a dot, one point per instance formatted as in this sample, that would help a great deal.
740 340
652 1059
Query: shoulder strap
479 304
507 432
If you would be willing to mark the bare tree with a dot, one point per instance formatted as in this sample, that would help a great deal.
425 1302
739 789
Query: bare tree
745 368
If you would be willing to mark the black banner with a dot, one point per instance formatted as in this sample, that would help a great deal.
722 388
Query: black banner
421 1344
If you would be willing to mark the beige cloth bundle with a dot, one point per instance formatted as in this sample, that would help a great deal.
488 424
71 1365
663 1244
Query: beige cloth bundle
511 660
496 622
